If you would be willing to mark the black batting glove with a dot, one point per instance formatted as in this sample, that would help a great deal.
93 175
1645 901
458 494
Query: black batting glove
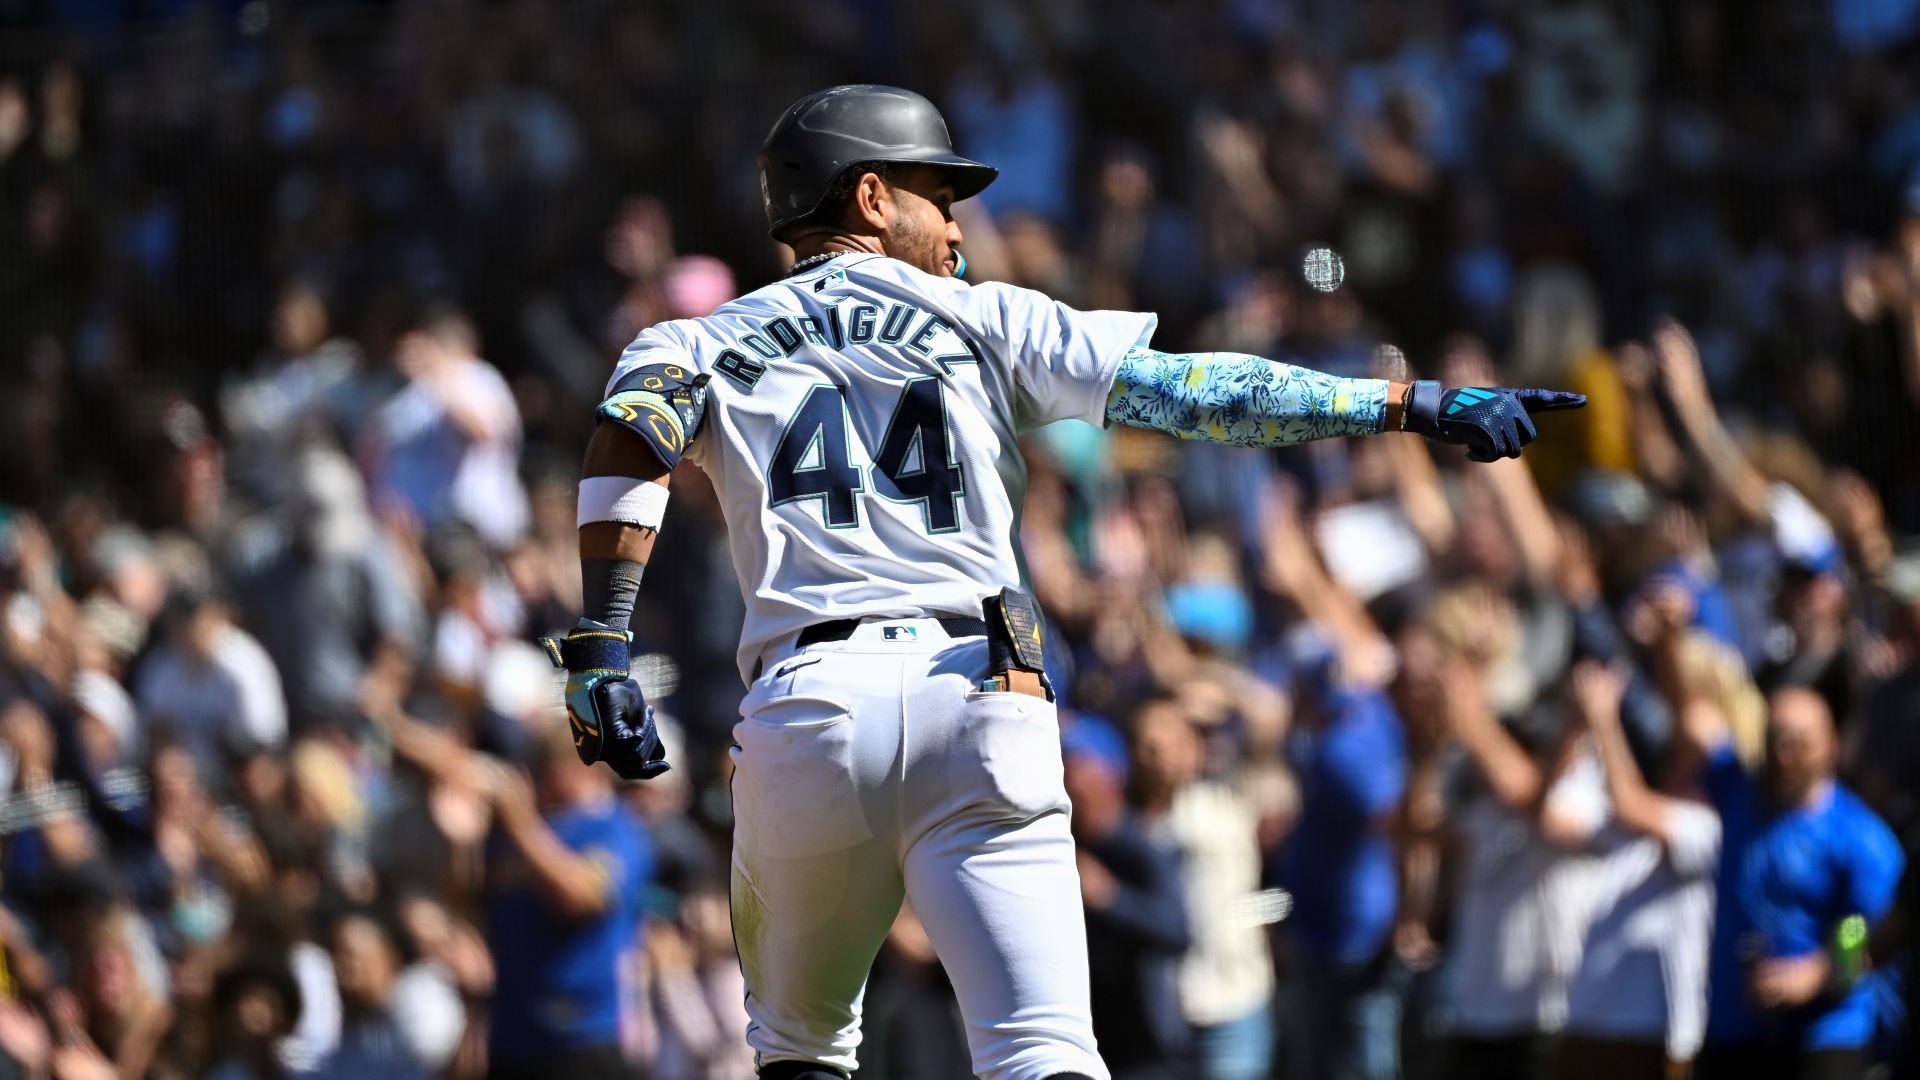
629 743
611 720
1492 422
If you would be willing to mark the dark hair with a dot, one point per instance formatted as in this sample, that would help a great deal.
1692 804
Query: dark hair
445 321
381 918
831 212
259 971
1154 699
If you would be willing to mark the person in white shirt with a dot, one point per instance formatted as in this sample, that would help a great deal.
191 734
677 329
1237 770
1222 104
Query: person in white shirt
401 1021
447 445
1226 976
211 686
1638 1001
1526 887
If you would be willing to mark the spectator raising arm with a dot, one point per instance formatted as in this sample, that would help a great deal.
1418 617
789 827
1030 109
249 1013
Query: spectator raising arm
1514 490
1597 691
1727 469
1516 780
436 752
1152 912
1293 571
1660 459
1422 497
573 882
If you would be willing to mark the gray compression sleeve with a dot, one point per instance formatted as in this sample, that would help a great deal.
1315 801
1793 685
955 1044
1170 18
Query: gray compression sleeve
608 588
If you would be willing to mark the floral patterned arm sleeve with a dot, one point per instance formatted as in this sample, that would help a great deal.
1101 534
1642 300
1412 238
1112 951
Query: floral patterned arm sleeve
1241 400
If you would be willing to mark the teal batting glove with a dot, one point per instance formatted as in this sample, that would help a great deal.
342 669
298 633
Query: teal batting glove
611 721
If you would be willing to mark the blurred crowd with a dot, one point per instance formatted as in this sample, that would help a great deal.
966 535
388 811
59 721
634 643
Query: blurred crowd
1382 763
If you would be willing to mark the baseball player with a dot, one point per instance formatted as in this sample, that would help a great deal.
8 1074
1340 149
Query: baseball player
859 420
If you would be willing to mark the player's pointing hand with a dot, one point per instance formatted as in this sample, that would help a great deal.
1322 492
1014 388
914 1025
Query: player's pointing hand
1492 422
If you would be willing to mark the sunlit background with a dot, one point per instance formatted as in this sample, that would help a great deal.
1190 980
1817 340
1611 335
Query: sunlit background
304 308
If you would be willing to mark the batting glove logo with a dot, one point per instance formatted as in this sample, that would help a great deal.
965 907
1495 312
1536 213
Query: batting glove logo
1491 422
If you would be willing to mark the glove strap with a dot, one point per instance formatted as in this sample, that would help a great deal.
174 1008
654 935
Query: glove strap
591 646
1423 408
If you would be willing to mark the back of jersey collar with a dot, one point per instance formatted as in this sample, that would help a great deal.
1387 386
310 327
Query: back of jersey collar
814 262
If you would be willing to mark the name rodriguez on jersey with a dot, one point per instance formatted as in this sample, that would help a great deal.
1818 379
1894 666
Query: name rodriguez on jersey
784 335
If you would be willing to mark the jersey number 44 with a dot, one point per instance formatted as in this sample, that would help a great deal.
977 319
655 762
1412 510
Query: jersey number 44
915 463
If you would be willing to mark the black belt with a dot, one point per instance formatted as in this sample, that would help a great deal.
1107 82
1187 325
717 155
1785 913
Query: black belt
956 626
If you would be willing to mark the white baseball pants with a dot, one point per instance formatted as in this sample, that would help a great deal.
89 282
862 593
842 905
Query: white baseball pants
870 769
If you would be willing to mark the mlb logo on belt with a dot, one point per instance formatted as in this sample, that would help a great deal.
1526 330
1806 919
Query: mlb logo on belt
900 633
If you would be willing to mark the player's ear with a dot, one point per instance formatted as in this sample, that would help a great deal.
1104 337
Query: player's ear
872 203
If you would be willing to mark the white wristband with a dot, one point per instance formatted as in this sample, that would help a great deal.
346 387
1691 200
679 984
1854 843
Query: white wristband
623 499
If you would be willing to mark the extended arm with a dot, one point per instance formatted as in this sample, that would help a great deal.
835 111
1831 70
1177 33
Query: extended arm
1242 400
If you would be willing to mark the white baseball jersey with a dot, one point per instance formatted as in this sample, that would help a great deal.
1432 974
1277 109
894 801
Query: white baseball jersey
860 432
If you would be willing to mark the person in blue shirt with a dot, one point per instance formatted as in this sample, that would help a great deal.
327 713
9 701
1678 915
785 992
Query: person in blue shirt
566 870
1804 865
1350 754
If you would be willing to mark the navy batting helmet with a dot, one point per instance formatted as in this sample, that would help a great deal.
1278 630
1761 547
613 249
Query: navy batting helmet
823 134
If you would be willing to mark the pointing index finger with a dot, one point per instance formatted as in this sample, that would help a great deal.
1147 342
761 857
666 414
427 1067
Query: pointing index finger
1549 400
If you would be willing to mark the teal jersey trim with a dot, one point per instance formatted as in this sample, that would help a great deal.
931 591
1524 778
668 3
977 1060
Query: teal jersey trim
1241 400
